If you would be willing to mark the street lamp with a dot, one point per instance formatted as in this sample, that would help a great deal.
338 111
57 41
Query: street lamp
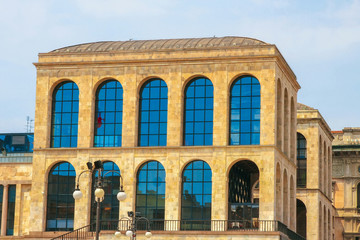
99 191
135 218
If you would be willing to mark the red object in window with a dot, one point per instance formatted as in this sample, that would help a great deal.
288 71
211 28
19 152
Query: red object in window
99 121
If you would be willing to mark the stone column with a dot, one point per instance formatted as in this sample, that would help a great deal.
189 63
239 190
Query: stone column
4 210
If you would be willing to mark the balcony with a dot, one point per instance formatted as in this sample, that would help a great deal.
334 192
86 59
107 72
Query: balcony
190 227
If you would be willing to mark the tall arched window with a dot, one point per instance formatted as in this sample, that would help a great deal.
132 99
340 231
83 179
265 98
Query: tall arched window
243 201
301 160
150 193
196 196
111 185
198 114
358 195
300 218
108 114
153 113
64 121
245 111
60 202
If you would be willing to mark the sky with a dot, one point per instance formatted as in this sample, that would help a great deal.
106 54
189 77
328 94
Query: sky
319 39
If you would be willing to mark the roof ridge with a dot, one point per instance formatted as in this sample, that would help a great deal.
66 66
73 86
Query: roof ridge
159 44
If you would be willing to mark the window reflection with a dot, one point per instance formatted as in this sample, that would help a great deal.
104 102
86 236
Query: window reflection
111 185
153 113
108 114
150 193
198 123
65 108
196 196
301 160
60 203
245 111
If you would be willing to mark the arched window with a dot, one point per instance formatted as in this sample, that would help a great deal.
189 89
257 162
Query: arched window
198 114
111 185
301 161
300 218
64 120
243 202
153 113
60 202
358 195
196 196
1 200
108 114
150 193
245 111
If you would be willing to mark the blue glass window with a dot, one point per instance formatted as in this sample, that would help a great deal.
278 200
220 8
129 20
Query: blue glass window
245 111
1 201
301 161
111 185
153 113
64 121
150 193
108 114
198 114
11 210
60 202
196 196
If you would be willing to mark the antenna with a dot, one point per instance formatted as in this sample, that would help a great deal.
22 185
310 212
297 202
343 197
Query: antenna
29 124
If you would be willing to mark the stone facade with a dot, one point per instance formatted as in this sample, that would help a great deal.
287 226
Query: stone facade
346 178
316 196
178 61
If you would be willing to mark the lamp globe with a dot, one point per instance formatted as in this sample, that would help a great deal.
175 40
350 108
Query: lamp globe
99 193
121 196
129 233
77 194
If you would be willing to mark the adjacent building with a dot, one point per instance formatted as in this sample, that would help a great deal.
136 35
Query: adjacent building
16 151
346 179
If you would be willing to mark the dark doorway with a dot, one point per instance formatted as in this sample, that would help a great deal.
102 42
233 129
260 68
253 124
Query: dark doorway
300 218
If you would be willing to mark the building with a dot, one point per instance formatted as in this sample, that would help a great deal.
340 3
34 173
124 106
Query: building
207 134
16 174
314 191
346 178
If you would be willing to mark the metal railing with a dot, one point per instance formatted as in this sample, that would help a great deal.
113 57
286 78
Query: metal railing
80 233
292 235
187 225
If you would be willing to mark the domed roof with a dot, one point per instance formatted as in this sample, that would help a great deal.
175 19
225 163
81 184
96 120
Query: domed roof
163 44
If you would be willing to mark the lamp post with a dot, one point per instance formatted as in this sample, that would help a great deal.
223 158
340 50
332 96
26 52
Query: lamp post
134 218
99 191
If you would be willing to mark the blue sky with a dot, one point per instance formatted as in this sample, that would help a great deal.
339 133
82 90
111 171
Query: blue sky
319 39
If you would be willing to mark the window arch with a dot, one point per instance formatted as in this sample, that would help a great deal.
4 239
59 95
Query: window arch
64 119
196 196
358 195
153 113
150 193
60 202
108 114
111 185
301 160
243 202
198 112
301 218
245 111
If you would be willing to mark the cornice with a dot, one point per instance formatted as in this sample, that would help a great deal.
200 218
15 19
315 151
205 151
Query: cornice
164 61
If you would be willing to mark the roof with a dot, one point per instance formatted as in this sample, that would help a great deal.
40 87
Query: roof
301 106
163 44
